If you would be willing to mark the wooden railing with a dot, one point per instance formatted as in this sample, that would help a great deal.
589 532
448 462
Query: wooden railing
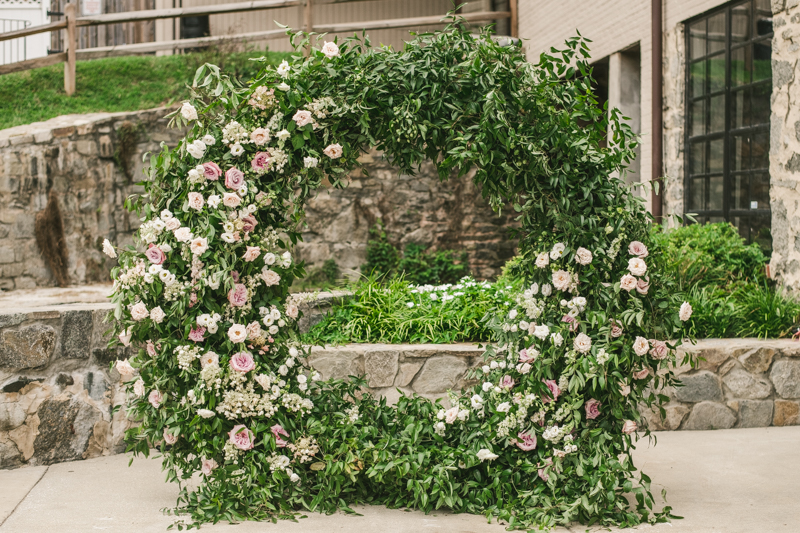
72 22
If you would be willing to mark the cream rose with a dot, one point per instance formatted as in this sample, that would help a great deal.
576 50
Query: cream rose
183 234
542 260
260 136
157 315
230 199
561 280
196 201
199 245
637 267
628 283
330 49
583 256
139 312
582 343
641 346
334 151
237 333
270 277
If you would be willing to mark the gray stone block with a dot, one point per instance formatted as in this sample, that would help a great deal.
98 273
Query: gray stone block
381 367
758 360
703 386
710 415
65 427
742 384
785 376
438 374
755 413
27 347
76 334
96 385
12 415
336 364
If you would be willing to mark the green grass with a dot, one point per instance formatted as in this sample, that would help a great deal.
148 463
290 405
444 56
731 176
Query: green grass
113 84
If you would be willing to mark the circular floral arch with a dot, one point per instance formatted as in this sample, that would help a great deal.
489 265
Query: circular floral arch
220 383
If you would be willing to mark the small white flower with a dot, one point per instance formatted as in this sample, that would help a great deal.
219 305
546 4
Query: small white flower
547 290
557 251
283 86
283 135
166 214
205 413
213 201
310 162
409 304
486 455
486 369
237 150
209 140
284 69
108 249
512 314
283 370
504 407
196 149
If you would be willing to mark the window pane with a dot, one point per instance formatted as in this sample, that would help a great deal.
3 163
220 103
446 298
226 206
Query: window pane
740 109
740 65
697 79
697 194
762 60
716 73
697 158
697 39
715 192
740 23
759 113
763 17
740 192
759 150
759 193
715 157
717 114
760 232
716 33
740 152
698 119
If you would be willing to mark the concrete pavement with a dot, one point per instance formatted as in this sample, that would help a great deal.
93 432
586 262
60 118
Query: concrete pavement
729 481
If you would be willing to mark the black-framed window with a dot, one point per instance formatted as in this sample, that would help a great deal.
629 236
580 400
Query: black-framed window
728 89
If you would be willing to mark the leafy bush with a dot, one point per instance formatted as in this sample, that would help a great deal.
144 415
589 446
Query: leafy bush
401 312
415 264
725 282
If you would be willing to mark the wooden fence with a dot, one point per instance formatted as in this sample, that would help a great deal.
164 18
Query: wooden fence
72 23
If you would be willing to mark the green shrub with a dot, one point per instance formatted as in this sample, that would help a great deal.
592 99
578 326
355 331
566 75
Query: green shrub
382 256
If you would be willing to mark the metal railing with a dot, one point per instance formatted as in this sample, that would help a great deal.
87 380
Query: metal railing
14 50
72 22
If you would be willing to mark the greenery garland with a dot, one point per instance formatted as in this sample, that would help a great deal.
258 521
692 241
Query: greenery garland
220 382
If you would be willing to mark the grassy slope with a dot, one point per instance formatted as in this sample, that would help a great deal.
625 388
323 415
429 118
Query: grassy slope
113 84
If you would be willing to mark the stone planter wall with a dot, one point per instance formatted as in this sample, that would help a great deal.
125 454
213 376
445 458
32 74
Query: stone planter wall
740 383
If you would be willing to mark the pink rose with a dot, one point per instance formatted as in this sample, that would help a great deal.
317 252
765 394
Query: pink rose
151 349
573 324
527 443
260 162
196 201
659 349
211 171
196 334
253 330
524 357
554 391
507 382
231 199
637 248
249 223
242 362
241 437
234 178
616 329
238 295
252 253
302 117
642 374
628 427
628 283
259 136
277 431
592 409
155 398
643 285
155 255
334 151
209 465
169 438
543 475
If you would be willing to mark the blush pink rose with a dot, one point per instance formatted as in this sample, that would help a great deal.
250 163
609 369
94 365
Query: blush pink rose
155 398
302 117
573 324
241 437
196 334
628 427
252 253
211 171
592 409
209 465
249 223
507 382
277 432
231 199
552 386
527 441
253 330
169 438
196 201
628 283
238 295
151 349
643 285
155 255
334 151
242 362
260 162
173 224
642 374
292 311
616 329
659 349
234 178
524 357
637 248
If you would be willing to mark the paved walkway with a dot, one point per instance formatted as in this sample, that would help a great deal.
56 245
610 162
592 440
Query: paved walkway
731 481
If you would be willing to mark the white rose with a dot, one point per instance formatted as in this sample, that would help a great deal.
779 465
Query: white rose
188 111
199 246
157 315
541 332
283 370
641 346
582 343
547 290
542 260
637 266
205 413
237 333
310 162
330 49
561 280
583 256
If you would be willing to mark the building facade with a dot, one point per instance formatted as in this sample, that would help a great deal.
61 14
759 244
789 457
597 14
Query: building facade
729 132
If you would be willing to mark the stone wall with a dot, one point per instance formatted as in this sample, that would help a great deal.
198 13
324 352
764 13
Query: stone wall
784 157
740 383
78 158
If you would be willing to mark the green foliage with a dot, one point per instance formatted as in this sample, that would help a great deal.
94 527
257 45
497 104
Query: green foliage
725 282
534 137
112 85
400 312
382 256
